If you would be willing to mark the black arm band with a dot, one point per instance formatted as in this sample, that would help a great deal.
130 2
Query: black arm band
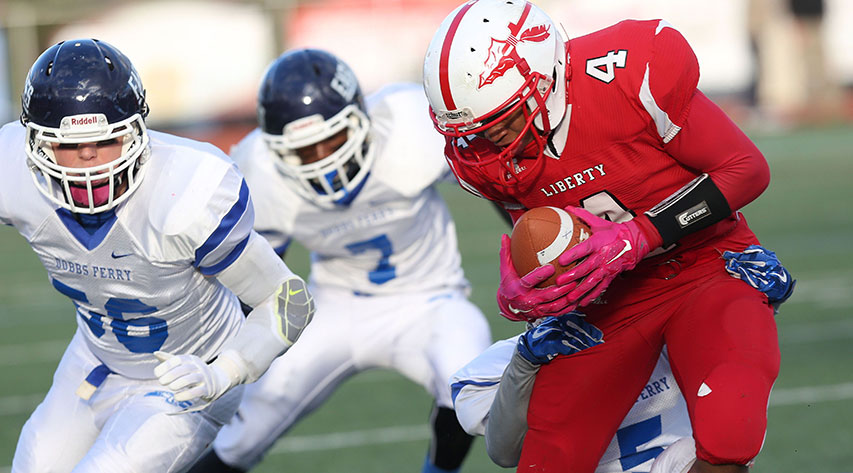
695 206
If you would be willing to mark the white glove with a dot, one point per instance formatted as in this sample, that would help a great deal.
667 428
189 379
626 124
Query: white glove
191 379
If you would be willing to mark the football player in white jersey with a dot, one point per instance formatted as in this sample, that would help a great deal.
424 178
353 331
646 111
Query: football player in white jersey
355 185
507 370
150 236
492 392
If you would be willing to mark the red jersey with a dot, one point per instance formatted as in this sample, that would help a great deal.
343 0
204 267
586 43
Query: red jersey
621 148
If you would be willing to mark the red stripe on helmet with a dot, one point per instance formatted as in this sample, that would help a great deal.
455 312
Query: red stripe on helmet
444 60
514 28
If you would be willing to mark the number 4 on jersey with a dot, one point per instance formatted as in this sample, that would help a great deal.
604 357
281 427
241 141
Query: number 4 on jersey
604 68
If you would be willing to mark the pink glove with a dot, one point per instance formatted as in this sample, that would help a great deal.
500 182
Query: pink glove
519 299
610 249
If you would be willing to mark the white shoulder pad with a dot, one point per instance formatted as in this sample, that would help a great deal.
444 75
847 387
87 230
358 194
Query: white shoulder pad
184 178
276 203
12 136
199 201
21 203
248 149
410 152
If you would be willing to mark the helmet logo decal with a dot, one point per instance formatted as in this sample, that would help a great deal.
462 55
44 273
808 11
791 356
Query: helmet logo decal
135 84
344 82
502 55
28 93
84 120
86 124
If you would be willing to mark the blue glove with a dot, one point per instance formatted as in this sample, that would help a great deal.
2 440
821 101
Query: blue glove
562 335
761 269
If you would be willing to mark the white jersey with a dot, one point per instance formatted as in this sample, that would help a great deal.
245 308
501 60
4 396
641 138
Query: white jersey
657 419
139 281
397 233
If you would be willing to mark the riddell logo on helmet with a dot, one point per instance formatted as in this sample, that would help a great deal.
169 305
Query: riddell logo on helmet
303 127
84 120
502 55
84 123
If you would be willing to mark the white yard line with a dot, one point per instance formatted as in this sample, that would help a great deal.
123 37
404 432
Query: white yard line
811 394
357 438
19 405
812 332
24 404
50 351
409 433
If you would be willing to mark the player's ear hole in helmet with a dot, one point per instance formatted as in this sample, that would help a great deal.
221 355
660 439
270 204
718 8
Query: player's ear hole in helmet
310 98
77 93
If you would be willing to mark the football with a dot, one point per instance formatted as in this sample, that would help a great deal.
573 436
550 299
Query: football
540 236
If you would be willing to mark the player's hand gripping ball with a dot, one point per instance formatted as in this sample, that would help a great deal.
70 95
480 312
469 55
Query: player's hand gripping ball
540 236
527 291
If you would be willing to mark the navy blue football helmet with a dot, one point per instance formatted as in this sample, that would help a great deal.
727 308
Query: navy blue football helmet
85 91
308 96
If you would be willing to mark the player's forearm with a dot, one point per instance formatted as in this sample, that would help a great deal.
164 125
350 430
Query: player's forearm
711 143
269 330
734 172
507 421
696 206
282 307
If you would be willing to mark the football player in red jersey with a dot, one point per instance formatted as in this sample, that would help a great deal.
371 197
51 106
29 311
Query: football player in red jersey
612 127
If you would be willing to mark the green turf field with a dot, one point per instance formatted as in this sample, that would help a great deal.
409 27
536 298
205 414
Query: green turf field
377 421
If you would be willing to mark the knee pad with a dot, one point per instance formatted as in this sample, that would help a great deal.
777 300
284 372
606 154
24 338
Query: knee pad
450 443
730 414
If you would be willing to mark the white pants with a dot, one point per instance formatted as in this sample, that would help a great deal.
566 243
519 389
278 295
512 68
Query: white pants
124 427
425 337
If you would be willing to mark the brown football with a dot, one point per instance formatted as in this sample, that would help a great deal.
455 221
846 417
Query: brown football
540 236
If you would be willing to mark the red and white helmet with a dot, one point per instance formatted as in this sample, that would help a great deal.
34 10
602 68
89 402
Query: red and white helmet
487 59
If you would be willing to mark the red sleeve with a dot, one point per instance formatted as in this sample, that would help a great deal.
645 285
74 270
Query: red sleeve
673 73
710 142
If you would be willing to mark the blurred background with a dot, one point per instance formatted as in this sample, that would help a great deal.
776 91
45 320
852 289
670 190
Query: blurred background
201 62
782 69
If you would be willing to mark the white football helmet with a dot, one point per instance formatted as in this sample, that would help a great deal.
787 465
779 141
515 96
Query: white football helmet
85 91
488 59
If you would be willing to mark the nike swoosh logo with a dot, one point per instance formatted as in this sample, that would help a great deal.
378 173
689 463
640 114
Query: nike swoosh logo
783 277
514 310
114 255
624 250
540 332
293 293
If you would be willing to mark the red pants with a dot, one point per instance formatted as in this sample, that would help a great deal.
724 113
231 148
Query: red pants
721 337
